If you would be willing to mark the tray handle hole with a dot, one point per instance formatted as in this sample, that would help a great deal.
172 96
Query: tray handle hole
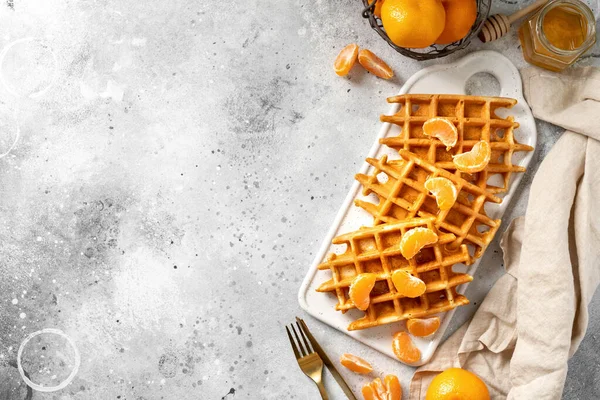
482 84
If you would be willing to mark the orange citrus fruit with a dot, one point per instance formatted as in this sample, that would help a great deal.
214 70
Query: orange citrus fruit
360 290
415 239
443 190
476 159
457 383
460 17
413 23
377 11
408 285
405 349
374 64
443 129
374 390
423 327
345 59
355 364
389 389
393 387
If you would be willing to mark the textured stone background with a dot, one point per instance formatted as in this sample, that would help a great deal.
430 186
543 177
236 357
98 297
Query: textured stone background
169 190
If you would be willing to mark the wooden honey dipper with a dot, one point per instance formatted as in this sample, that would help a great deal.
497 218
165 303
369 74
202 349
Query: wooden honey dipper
498 25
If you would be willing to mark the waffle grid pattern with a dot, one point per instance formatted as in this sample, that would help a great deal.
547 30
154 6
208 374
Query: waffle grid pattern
464 231
403 195
376 250
475 119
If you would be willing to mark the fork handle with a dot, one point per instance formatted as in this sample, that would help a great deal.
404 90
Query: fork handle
321 387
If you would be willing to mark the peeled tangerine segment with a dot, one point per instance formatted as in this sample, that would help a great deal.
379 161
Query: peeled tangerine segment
408 285
346 59
389 389
423 327
405 349
415 239
360 290
355 363
443 190
374 64
393 387
443 129
475 160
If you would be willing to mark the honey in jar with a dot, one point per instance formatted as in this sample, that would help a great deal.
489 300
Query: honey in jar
557 35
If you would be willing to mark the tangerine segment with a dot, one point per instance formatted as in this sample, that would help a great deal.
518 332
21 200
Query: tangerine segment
408 285
355 364
346 59
457 383
443 129
423 327
443 190
394 389
405 349
374 64
368 392
360 290
415 239
475 160
374 390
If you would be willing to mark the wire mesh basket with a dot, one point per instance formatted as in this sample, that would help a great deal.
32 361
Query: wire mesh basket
433 51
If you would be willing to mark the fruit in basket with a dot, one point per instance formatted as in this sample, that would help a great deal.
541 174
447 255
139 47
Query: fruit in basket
460 17
457 383
346 59
413 23
377 11
374 64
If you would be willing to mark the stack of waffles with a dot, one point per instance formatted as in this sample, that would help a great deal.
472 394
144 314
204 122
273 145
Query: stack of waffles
403 203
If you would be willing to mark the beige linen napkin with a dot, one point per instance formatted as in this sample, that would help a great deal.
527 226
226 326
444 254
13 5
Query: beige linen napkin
535 316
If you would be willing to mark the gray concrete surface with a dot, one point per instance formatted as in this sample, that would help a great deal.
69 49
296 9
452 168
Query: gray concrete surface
170 187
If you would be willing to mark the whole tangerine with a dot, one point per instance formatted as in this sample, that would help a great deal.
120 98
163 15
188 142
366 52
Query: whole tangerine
460 17
413 23
457 383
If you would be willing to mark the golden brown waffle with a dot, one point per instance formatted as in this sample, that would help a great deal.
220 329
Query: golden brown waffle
377 250
399 184
475 119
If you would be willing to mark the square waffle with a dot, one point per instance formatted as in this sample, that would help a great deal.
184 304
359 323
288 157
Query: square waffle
377 250
475 119
399 185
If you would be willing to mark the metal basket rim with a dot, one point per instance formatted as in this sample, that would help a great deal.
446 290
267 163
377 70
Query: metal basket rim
433 52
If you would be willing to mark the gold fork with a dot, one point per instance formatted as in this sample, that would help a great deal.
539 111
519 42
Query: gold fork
310 363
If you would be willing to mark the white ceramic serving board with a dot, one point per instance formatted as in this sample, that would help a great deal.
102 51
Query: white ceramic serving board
455 78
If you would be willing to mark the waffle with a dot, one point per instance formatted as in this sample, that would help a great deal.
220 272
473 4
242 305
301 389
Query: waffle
475 119
399 185
376 250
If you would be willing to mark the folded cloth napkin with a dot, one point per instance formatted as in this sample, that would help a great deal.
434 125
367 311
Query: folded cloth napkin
535 316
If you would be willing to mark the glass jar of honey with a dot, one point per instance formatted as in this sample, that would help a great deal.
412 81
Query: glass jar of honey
558 34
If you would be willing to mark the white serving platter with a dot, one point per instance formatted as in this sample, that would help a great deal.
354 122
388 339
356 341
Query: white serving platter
454 78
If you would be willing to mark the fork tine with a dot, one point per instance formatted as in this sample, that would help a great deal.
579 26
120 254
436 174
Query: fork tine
304 338
304 353
292 343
